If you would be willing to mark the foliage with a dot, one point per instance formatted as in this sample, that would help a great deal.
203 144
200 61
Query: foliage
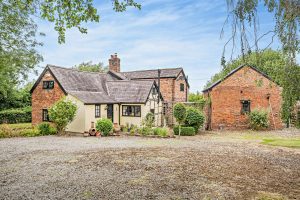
20 115
163 132
243 15
18 130
270 62
133 130
194 118
105 126
16 97
259 119
18 54
185 131
46 129
149 120
198 99
145 131
179 114
90 67
62 113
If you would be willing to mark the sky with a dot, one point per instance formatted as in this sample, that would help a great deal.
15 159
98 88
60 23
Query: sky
163 34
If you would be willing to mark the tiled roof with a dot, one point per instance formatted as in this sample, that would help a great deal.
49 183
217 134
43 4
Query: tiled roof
133 91
150 74
93 87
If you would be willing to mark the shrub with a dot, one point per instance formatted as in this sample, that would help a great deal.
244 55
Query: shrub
194 118
149 120
46 129
13 116
62 113
18 130
105 126
163 132
145 131
133 130
259 119
30 132
125 129
185 131
179 112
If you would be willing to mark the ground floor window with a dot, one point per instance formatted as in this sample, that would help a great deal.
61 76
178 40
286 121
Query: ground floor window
45 115
245 106
132 111
97 110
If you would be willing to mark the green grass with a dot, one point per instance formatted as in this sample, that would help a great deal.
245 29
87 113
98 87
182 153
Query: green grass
292 143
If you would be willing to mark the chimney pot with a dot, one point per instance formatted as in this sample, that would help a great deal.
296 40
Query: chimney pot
114 63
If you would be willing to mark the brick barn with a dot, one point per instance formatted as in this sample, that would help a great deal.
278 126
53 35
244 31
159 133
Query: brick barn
241 91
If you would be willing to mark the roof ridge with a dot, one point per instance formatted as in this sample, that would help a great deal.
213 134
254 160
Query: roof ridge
153 69
72 69
134 80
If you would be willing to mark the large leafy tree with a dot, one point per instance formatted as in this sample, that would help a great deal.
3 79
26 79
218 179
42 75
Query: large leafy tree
18 31
90 67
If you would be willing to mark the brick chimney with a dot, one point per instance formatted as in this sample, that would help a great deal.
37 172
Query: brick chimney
114 63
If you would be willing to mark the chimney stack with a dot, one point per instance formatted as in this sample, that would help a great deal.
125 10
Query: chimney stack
114 63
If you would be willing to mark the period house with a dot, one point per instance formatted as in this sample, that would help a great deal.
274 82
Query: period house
241 91
123 97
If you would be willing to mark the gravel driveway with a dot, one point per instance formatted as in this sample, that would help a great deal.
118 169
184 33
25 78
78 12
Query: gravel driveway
200 167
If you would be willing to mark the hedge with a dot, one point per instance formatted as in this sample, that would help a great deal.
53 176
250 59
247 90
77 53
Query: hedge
185 131
13 116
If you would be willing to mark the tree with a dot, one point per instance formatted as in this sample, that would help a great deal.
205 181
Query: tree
198 99
90 67
62 113
65 14
179 114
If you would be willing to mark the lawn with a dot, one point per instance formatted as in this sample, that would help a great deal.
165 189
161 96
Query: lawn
206 166
292 143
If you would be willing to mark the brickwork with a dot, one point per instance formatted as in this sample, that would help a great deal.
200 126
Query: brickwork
44 98
114 63
245 84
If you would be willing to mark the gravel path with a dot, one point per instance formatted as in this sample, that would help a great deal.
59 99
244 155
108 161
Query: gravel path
200 167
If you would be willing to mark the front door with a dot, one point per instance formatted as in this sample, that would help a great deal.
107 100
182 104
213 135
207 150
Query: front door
110 112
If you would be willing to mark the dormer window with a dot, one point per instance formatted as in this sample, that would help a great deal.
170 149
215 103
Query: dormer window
48 85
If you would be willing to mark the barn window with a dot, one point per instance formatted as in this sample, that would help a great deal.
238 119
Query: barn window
97 110
181 87
131 111
45 115
48 84
245 106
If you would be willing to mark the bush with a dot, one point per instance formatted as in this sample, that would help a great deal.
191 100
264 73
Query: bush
259 119
149 120
18 130
62 113
163 132
105 126
46 129
30 133
13 116
194 118
179 112
145 131
185 131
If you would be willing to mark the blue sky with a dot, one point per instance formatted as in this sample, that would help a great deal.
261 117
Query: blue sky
165 33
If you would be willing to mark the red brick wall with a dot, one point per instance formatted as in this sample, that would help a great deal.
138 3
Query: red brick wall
245 84
180 96
43 99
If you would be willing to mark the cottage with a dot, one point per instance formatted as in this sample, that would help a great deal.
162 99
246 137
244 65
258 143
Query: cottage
123 97
241 91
